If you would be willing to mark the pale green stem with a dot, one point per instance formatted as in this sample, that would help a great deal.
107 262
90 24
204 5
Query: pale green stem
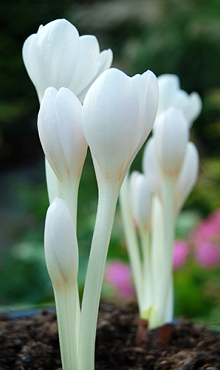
146 266
165 276
53 185
65 300
69 190
156 245
132 243
70 196
95 273
168 312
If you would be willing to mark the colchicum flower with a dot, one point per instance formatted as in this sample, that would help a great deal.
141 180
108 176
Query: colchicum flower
61 253
63 141
170 164
118 114
171 95
56 56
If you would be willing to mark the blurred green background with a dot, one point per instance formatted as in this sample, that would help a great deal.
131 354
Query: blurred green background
166 36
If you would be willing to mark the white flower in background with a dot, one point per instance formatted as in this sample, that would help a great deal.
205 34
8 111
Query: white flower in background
140 197
171 95
171 136
57 56
187 177
62 138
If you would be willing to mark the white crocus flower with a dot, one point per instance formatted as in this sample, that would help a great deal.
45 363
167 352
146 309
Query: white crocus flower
117 118
57 56
140 199
115 125
171 135
187 177
163 162
151 167
61 253
63 141
171 95
140 195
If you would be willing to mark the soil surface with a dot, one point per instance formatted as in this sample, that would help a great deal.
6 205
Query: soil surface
32 343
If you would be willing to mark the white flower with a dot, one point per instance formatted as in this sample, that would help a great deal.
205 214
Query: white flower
171 95
61 132
188 176
61 249
57 56
171 136
63 141
140 196
113 120
151 168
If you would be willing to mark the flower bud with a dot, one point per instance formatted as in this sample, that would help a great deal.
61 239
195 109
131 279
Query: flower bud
61 132
188 175
151 168
140 195
113 122
61 249
171 95
171 135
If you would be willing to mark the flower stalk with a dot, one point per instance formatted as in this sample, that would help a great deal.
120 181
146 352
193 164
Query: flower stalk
95 273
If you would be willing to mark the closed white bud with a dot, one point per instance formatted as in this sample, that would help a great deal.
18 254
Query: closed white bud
171 136
140 195
61 249
171 95
113 121
151 168
187 177
61 133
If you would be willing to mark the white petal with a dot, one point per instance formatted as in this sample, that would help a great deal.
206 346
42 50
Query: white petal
168 86
61 133
171 135
57 57
91 63
194 107
188 176
140 198
147 88
103 62
172 96
151 168
69 119
51 54
61 249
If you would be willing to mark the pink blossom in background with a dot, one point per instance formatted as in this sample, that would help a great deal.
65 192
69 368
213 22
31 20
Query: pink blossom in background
180 253
207 254
206 241
209 229
118 274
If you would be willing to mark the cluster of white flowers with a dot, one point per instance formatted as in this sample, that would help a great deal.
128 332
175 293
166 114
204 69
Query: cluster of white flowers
85 103
153 199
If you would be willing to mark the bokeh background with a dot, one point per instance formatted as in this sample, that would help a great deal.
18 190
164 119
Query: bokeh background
166 36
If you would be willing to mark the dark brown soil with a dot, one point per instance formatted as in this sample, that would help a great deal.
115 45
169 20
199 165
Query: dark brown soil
32 343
